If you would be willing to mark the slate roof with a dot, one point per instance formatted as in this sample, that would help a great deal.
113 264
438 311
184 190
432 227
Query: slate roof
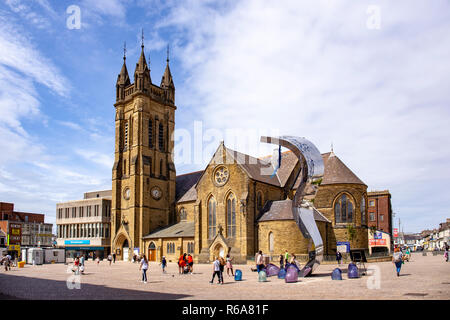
185 186
282 210
183 229
337 172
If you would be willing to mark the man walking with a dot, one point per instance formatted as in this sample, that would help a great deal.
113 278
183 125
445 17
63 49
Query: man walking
286 257
114 257
259 262
216 270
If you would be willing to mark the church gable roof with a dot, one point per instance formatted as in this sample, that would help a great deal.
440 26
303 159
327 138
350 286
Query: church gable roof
184 229
185 186
337 172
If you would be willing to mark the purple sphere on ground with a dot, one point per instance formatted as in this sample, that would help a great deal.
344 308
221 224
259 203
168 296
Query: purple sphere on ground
282 274
291 275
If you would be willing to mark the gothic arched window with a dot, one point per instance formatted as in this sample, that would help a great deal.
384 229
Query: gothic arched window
271 241
211 218
343 209
363 210
259 200
231 216
183 214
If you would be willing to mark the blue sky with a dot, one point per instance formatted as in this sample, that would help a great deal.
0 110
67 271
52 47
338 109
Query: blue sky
318 69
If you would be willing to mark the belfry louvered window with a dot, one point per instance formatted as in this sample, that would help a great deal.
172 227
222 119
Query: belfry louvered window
150 133
126 136
161 137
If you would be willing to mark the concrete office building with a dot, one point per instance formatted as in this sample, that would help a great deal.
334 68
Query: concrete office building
83 226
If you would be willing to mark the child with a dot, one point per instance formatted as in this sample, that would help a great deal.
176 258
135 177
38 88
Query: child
281 261
163 264
97 260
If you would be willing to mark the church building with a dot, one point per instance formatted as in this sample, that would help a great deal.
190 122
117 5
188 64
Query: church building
234 206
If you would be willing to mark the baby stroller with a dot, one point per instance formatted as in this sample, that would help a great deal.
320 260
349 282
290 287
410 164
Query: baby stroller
186 269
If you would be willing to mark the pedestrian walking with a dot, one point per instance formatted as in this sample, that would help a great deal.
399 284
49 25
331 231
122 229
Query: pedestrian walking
286 257
259 262
97 260
339 257
114 257
163 264
281 261
76 266
221 267
81 260
181 264
144 267
190 262
229 265
216 270
109 258
397 259
446 253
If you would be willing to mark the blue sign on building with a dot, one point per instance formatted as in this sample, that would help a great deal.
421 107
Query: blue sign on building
77 242
378 235
344 243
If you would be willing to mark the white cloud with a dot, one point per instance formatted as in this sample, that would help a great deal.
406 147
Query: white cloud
380 96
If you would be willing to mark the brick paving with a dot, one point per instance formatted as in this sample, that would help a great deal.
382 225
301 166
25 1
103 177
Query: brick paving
424 277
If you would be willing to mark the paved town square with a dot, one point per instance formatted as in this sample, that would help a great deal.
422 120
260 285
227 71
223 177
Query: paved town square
424 277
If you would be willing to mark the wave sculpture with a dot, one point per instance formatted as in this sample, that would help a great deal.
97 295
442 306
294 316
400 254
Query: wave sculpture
311 169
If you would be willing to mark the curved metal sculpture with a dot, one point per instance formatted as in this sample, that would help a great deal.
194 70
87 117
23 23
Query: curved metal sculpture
311 167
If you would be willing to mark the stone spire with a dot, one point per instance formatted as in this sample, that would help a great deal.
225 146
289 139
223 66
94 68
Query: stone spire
167 81
123 79
142 78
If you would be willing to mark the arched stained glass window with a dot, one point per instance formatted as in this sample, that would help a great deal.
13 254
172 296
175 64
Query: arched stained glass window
363 210
211 218
231 216
271 241
343 210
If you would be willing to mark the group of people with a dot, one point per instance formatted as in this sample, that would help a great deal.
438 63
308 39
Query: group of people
185 264
219 266
286 259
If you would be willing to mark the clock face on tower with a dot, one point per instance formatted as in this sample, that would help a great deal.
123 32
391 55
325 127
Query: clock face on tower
156 193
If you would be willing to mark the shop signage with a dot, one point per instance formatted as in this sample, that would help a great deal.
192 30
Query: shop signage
343 246
377 242
73 242
395 232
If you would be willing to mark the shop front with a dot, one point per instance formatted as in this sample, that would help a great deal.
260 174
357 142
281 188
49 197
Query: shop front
77 248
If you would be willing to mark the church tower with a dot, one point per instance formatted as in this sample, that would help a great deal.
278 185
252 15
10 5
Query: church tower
143 175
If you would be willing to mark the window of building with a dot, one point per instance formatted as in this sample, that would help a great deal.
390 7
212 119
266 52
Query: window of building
74 212
160 167
343 209
372 203
381 217
372 216
211 218
183 214
190 247
161 137
363 210
170 247
259 200
126 135
150 133
231 216
271 241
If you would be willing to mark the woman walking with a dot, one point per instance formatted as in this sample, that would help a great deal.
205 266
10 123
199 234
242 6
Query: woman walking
222 265
229 266
181 264
397 259
144 266
163 264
